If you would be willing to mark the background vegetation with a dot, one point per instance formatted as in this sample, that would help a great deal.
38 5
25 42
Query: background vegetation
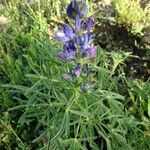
37 112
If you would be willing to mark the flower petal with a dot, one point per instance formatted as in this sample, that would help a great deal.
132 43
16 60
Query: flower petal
91 52
68 32
71 46
84 41
77 71
86 37
79 40
66 56
77 23
88 24
69 10
60 36
69 52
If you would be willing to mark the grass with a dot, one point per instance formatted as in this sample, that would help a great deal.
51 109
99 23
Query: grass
40 110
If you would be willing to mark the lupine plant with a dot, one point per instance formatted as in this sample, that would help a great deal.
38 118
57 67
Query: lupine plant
84 111
77 39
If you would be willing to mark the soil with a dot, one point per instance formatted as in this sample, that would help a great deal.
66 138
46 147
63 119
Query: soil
114 37
117 38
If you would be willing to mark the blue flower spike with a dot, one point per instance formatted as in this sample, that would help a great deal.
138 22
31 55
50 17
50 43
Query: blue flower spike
78 41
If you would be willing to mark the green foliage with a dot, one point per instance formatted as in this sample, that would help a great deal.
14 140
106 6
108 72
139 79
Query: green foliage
41 110
69 117
130 13
139 93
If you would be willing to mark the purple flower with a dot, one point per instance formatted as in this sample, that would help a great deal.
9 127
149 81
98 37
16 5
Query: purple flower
88 24
60 36
84 41
91 52
68 32
80 41
72 10
77 71
77 41
69 52
74 73
65 34
76 7
70 46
